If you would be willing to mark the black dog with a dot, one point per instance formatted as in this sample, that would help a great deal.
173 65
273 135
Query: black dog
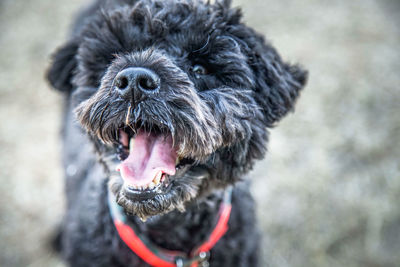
176 97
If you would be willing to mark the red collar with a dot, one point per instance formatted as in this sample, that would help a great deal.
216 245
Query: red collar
159 257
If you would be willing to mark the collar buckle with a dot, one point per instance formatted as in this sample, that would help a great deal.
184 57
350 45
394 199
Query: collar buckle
201 259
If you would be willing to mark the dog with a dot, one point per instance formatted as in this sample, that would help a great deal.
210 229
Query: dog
167 107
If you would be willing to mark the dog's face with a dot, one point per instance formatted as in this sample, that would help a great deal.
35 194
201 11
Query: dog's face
177 97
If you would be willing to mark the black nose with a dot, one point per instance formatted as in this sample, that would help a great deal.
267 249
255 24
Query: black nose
136 82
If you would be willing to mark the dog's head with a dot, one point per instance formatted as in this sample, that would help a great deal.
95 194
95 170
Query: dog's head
177 96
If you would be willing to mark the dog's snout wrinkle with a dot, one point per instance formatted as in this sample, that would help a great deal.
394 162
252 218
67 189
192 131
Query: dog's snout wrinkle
137 83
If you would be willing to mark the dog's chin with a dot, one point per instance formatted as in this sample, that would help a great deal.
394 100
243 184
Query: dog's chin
171 194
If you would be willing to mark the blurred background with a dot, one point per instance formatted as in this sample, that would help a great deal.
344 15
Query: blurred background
328 192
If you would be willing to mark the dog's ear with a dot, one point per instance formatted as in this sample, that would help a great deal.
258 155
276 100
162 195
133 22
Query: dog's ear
62 67
277 84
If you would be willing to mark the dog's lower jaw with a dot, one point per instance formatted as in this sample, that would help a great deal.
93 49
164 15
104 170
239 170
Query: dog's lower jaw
179 193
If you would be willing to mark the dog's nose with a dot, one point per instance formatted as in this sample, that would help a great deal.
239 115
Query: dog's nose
136 82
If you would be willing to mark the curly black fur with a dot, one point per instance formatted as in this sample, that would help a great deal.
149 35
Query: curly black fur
217 119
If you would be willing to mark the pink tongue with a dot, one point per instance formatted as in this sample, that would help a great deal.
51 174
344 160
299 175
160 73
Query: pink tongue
149 155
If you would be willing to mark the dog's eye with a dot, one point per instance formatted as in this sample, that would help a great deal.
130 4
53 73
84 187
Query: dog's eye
199 70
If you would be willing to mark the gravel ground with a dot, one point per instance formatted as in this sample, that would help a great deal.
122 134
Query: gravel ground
329 190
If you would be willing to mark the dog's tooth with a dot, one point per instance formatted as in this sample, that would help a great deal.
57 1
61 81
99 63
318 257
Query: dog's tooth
178 159
157 178
151 185
131 144
132 186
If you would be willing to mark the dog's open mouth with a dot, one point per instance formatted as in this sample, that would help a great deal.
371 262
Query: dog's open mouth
149 162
